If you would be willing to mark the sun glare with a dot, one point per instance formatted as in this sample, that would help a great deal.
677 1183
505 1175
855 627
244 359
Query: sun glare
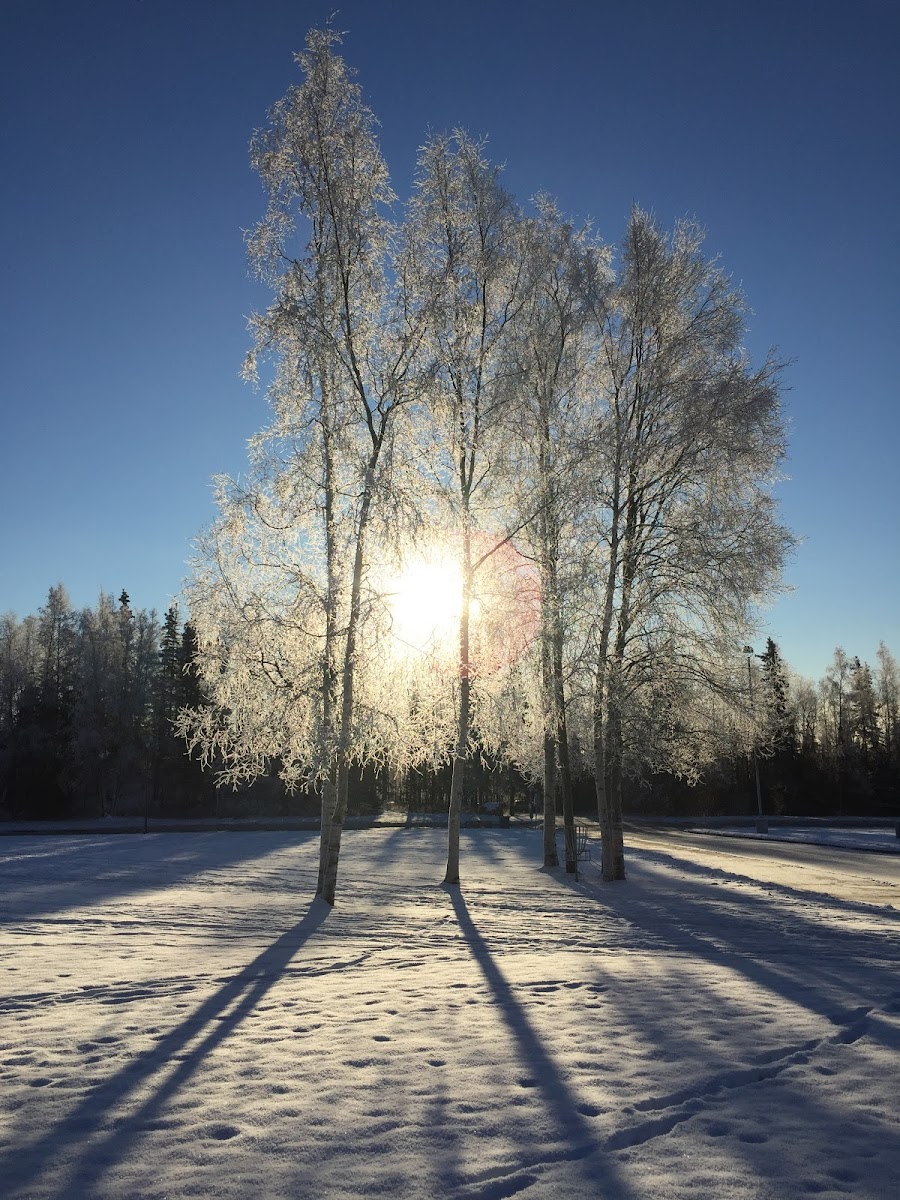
426 600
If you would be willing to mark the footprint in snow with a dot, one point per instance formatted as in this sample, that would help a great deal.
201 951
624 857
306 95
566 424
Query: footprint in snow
222 1133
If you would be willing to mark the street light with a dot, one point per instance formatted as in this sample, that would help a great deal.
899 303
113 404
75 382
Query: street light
760 825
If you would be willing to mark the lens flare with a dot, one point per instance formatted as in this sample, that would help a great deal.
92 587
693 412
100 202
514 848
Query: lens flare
425 601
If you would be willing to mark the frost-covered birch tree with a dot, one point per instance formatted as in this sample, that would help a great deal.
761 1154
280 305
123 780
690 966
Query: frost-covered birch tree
465 250
483 374
567 278
688 449
278 593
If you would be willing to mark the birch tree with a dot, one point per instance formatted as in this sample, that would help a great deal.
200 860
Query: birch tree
567 278
463 240
280 586
690 445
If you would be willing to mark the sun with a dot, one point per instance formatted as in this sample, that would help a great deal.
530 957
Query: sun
426 601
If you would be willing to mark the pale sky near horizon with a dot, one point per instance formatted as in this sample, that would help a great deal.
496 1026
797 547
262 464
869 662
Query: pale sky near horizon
125 290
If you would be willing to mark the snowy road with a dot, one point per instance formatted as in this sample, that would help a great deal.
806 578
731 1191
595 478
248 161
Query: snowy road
840 874
177 1020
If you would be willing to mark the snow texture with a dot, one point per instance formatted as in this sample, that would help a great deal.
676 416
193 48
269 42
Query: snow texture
179 1019
882 840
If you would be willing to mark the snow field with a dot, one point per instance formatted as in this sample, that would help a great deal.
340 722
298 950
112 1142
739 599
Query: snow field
177 1019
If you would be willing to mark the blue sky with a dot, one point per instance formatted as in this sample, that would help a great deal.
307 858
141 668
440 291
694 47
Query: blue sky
126 187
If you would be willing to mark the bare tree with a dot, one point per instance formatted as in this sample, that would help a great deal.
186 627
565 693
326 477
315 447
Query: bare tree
463 232
689 446
284 570
567 278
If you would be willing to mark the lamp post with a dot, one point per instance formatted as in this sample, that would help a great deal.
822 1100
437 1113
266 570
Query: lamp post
761 825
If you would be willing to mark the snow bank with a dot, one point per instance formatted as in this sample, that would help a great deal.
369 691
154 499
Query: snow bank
882 840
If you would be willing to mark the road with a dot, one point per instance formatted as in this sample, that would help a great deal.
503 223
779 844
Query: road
845 874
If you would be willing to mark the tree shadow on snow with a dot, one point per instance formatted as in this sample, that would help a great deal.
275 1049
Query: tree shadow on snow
821 965
581 1143
80 870
794 958
178 1051
671 858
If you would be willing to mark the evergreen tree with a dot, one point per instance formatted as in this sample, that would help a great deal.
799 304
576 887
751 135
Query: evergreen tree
39 783
779 744
168 750
863 719
780 728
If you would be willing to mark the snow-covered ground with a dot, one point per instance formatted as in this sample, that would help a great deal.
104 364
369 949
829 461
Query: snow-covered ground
883 840
177 1019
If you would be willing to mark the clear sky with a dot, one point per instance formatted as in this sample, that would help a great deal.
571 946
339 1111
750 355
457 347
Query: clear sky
126 187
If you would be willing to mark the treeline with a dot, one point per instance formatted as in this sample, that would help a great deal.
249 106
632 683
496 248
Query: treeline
89 701
90 697
822 748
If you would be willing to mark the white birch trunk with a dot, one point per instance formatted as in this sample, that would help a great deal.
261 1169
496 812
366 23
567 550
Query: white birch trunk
461 752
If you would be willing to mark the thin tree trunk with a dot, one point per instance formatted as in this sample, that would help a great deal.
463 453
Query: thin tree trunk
565 781
613 846
614 841
555 754
461 752
333 843
604 814
551 856
328 797
328 786
562 734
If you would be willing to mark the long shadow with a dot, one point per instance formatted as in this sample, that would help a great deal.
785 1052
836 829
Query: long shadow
673 859
726 928
115 866
705 1077
808 853
21 1166
846 967
583 1141
760 910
